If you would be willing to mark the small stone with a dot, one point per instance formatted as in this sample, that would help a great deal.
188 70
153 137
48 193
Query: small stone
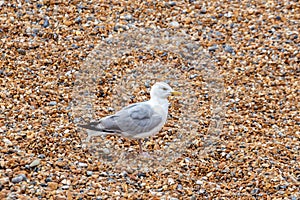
52 103
213 48
18 178
65 187
60 198
193 76
203 10
209 174
81 164
193 197
199 182
202 191
293 198
41 156
174 24
171 181
21 51
4 181
43 184
52 185
229 14
48 179
110 109
147 84
255 191
7 142
89 173
172 3
179 187
128 17
46 23
78 20
66 182
106 151
228 49
34 163
228 156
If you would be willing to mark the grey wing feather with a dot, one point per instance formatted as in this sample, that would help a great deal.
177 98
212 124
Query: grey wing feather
134 119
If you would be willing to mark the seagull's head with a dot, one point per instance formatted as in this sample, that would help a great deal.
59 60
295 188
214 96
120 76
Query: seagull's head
162 90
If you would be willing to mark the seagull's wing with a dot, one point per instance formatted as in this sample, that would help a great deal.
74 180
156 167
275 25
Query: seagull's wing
132 120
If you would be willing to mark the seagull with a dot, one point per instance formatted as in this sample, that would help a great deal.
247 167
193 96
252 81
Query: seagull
138 120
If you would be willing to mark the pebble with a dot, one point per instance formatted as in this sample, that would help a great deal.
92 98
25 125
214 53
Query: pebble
193 76
202 191
80 164
171 181
46 22
213 48
35 163
21 51
7 142
174 24
66 182
52 103
179 187
52 185
65 187
228 49
199 182
19 178
89 173
41 156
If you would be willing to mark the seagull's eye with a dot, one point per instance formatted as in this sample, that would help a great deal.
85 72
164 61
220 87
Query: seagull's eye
165 89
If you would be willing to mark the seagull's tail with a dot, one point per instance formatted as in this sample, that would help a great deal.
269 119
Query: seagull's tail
93 130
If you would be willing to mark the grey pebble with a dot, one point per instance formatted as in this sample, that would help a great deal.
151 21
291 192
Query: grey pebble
213 48
41 156
293 198
147 84
78 20
193 76
21 51
34 163
174 24
106 151
110 109
52 103
228 156
228 49
179 187
89 173
203 10
172 3
255 191
46 23
19 178
128 17
7 141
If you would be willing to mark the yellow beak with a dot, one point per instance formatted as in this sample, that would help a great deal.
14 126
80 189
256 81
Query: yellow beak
175 93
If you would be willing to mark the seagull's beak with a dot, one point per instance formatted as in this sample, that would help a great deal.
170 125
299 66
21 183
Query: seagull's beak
175 93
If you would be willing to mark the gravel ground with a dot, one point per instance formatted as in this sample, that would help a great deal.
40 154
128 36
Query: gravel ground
254 46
